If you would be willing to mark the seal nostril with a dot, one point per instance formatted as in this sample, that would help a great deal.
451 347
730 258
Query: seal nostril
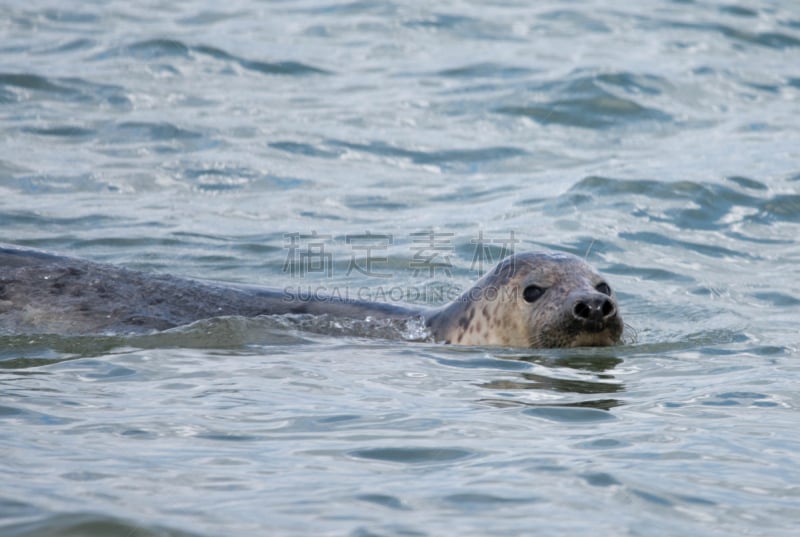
582 310
593 310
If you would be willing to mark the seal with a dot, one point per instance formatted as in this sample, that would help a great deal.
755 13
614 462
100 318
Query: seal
535 299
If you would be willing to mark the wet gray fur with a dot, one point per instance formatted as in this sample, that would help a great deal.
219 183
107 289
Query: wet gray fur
46 293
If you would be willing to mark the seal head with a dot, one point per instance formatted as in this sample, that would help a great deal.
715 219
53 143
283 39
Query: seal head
533 300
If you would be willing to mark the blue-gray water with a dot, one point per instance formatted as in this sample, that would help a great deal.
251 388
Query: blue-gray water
661 140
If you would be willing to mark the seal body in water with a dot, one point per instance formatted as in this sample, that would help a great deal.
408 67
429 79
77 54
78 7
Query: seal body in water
528 300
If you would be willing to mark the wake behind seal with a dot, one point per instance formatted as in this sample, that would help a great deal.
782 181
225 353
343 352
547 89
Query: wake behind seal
535 299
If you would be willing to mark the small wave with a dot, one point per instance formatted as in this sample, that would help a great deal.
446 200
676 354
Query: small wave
29 351
164 137
781 207
705 206
298 148
486 70
594 102
87 524
148 49
738 11
447 158
53 184
570 414
291 329
152 49
551 382
463 26
414 455
411 329
581 22
157 48
63 89
61 131
463 156
676 190
148 131
70 46
375 202
71 16
269 68
23 352
350 8
20 415
32 82
209 18
777 299
649 274
233 177
35 219
709 250
591 113
775 40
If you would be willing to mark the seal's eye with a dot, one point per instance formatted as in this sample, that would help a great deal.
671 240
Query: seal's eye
532 293
603 288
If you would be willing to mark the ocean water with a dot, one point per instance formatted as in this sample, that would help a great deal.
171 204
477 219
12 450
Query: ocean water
288 143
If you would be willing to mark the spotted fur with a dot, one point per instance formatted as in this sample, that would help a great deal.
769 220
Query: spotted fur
46 293
505 318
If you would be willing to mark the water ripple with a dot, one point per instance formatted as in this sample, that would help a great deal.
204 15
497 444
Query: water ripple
463 159
307 149
482 502
88 525
69 89
781 207
222 177
153 49
414 455
30 81
711 206
71 132
569 414
269 68
462 25
593 101
486 70
710 250
126 137
776 40
552 382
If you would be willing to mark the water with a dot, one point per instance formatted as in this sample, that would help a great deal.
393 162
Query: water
659 140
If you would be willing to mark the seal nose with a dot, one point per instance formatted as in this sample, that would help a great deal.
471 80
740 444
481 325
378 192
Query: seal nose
593 309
